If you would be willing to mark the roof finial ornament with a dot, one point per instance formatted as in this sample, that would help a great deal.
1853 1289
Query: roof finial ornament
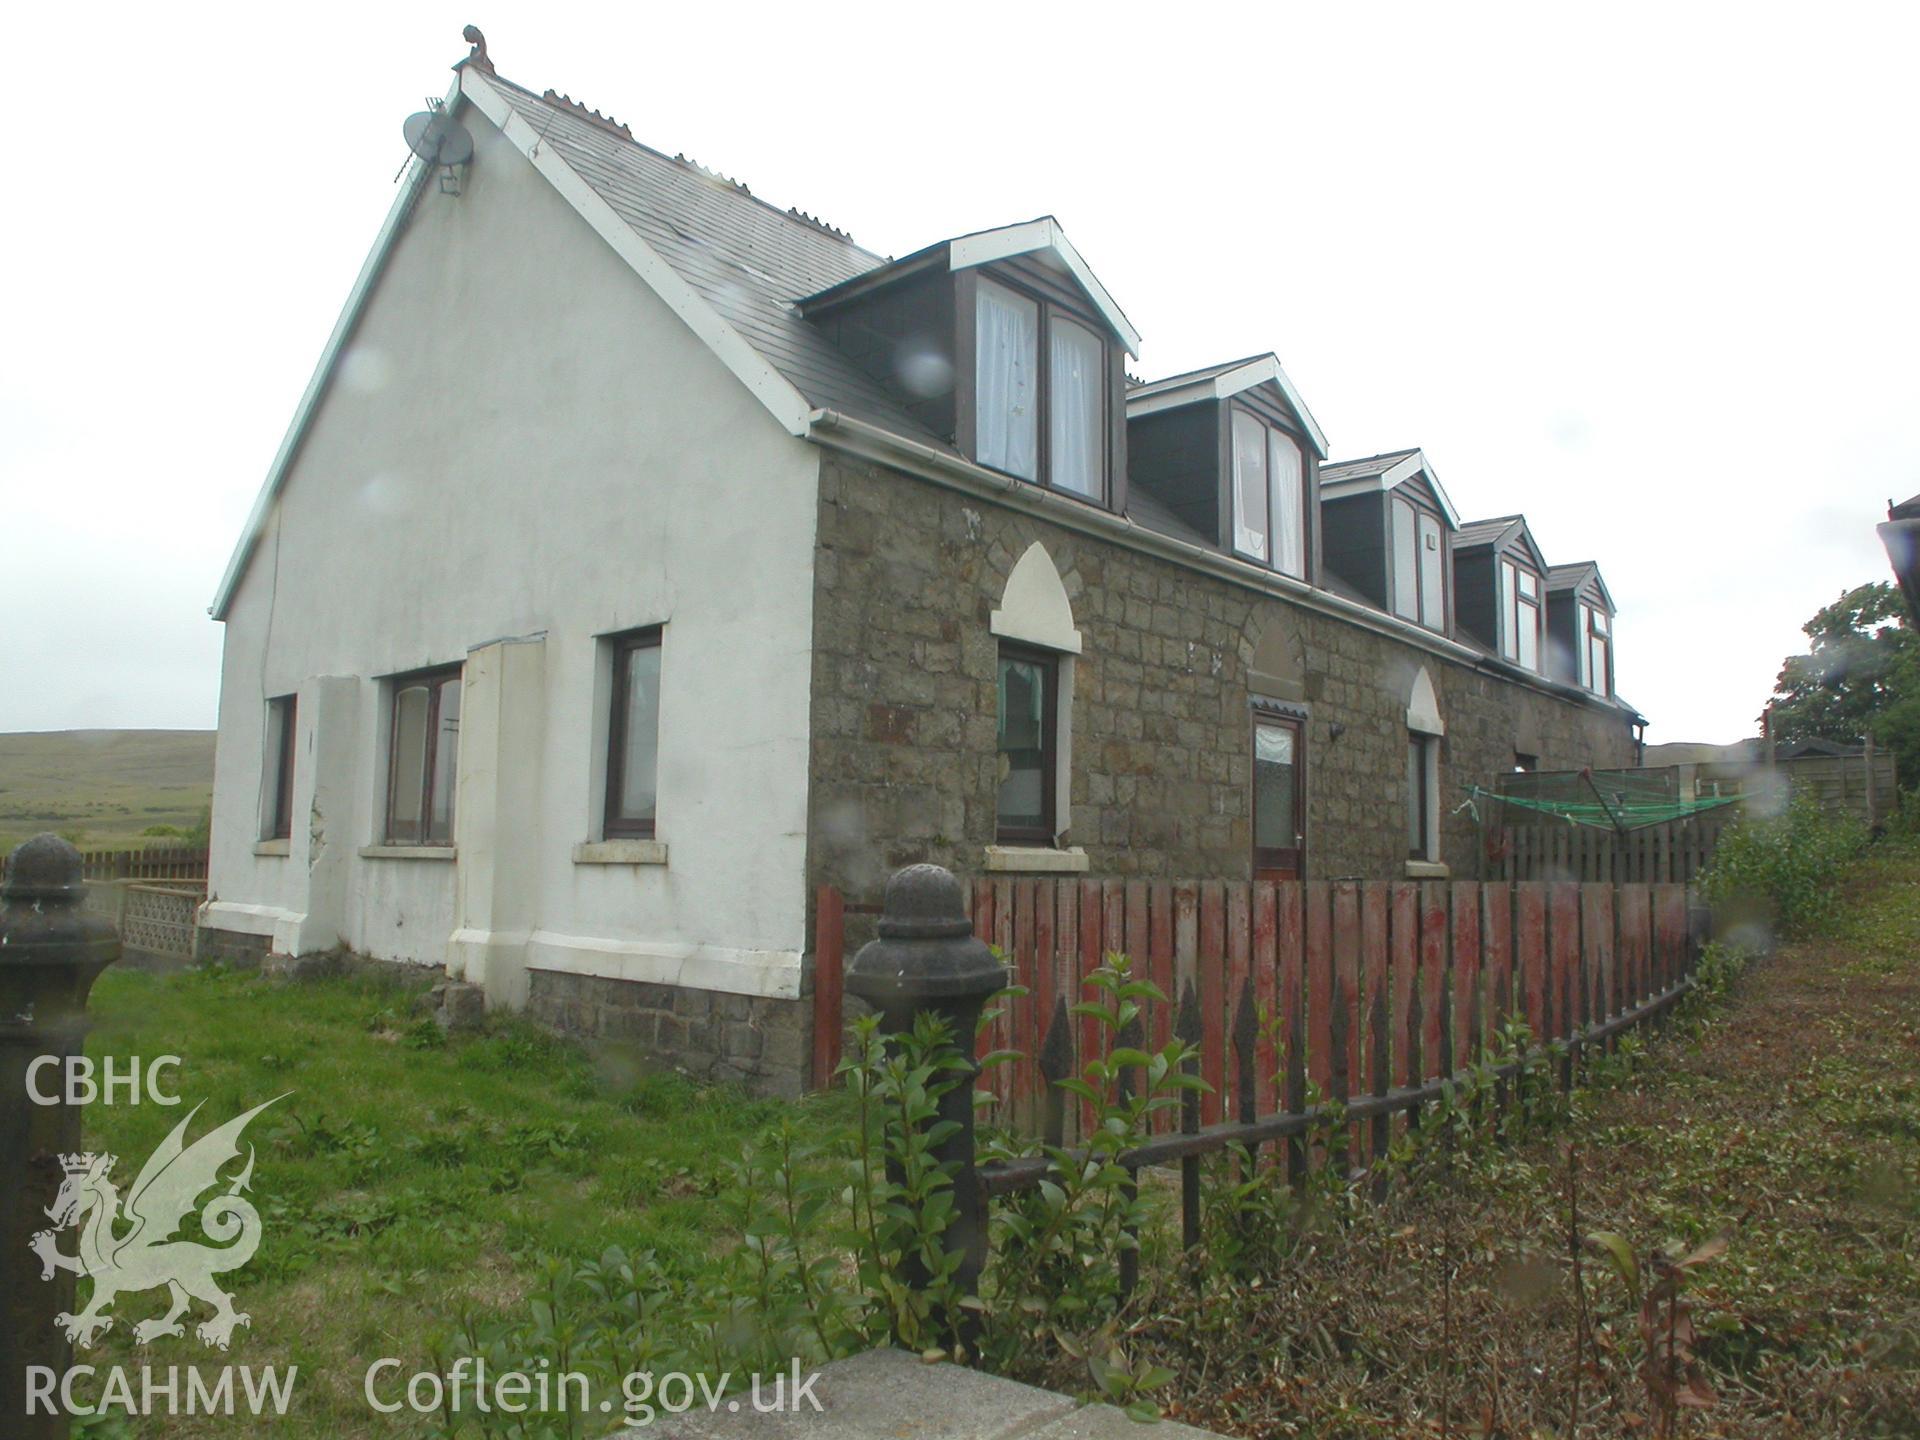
478 58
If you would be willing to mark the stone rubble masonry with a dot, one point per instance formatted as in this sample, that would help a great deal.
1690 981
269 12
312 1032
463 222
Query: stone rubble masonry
763 1044
904 761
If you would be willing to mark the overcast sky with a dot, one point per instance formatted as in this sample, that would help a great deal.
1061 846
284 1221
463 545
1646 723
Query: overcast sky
1644 273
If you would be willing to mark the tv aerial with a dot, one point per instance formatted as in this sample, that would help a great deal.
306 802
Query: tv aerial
442 141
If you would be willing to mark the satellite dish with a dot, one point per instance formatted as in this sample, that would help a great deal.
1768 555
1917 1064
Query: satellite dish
437 138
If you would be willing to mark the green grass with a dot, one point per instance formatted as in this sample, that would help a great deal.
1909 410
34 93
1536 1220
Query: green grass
407 1179
104 786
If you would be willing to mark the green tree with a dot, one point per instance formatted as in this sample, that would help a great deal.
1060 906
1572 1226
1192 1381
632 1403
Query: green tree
1860 677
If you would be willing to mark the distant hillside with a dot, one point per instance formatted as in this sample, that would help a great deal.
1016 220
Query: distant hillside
103 787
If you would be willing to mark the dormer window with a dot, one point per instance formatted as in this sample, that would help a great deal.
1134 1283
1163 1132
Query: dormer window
1419 560
1269 495
1521 614
1044 424
1596 649
1580 628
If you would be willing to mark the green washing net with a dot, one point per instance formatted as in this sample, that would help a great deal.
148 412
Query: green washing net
1605 799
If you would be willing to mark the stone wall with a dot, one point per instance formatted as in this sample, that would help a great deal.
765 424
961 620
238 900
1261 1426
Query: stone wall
903 748
761 1043
232 948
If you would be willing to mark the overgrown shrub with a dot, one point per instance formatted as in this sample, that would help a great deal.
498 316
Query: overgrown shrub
1787 866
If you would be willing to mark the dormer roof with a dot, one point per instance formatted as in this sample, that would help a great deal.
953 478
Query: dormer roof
1384 472
1501 533
1574 576
1221 382
1043 239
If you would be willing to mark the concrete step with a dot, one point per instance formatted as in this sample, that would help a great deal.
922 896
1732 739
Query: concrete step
892 1395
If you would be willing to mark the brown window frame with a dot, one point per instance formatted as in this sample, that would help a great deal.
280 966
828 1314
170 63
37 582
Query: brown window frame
1515 604
969 382
1421 511
1049 663
435 679
284 711
613 824
1271 560
1599 627
1282 857
1423 756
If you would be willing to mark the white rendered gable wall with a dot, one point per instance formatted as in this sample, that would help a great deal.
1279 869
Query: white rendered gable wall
523 443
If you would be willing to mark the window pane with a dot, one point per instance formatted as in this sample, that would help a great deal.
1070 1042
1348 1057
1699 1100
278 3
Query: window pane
1529 584
1289 535
1527 626
1023 761
1076 416
1274 773
1006 381
1249 485
408 783
1509 609
446 761
640 757
1417 797
1581 649
1406 569
277 823
1599 621
1433 595
1597 667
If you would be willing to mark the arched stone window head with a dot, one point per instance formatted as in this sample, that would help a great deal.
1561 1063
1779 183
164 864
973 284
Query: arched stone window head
1424 729
1034 680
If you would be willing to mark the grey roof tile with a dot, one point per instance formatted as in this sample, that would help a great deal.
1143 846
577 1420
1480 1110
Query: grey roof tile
748 259
1360 469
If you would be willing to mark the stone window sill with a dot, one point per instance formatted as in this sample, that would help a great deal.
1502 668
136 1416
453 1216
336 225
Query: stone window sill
406 852
1036 860
620 852
273 847
1427 870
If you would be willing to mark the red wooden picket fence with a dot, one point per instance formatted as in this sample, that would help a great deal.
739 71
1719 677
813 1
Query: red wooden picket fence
1359 987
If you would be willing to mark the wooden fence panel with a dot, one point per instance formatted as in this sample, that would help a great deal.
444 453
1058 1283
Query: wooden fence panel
1319 958
1212 977
1345 1028
1378 1044
1465 999
1497 932
1266 994
1596 945
1563 955
1160 969
1530 953
829 931
1433 979
1403 936
1290 985
1636 939
1239 954
1670 931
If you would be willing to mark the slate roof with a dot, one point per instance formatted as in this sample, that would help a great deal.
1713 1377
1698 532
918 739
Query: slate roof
746 258
1565 577
1153 514
1364 469
1486 532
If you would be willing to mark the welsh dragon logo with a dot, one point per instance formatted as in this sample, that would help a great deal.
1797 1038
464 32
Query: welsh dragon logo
129 1250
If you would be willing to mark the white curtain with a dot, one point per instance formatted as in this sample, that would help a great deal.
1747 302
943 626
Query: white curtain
1406 562
1075 412
1433 596
1249 485
1006 361
1289 535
